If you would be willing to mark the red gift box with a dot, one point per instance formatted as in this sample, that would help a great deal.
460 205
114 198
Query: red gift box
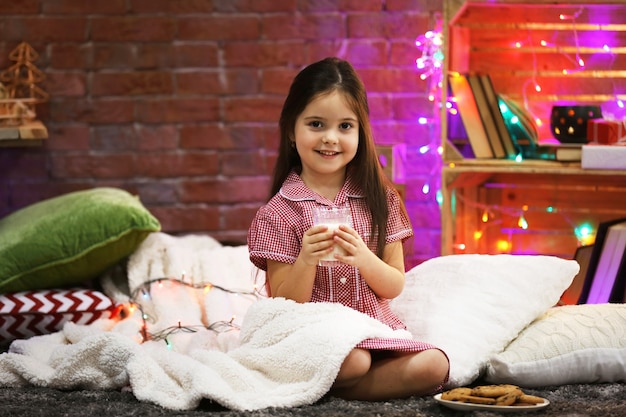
605 131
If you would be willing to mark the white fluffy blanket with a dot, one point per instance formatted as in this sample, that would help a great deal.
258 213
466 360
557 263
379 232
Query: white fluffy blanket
266 353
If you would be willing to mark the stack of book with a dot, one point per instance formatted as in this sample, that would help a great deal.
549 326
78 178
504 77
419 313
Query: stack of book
496 127
480 113
605 270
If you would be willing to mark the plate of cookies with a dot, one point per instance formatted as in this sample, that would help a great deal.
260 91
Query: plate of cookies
503 397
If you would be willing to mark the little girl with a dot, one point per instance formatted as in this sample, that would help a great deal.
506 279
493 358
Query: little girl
327 157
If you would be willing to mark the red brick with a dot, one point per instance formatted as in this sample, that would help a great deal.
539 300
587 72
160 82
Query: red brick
169 6
424 6
277 80
133 28
157 137
256 6
131 83
68 137
264 54
251 136
242 81
113 55
65 84
20 7
387 25
113 138
404 53
203 136
271 136
392 80
239 217
157 192
70 56
84 7
46 29
412 107
232 190
253 109
178 110
167 55
302 26
82 165
188 164
380 106
363 5
242 163
176 219
93 111
223 27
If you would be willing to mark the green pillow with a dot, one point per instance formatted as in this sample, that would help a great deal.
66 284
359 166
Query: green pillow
70 239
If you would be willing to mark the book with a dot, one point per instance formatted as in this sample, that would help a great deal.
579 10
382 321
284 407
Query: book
491 129
572 294
618 293
472 122
564 152
510 149
598 253
521 125
608 264
570 152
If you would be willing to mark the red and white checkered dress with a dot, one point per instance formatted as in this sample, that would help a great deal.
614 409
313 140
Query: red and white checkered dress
276 233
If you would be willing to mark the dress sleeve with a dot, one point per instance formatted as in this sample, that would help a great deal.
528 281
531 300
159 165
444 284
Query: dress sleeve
270 237
398 226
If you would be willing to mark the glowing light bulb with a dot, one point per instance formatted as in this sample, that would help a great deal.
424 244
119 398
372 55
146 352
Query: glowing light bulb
478 234
522 223
503 245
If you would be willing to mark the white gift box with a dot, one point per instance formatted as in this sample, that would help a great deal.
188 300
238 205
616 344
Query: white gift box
603 157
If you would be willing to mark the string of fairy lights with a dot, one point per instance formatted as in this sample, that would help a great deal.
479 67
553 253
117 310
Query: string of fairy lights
430 65
143 294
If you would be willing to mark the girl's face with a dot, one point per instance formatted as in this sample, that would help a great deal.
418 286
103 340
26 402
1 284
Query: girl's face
326 136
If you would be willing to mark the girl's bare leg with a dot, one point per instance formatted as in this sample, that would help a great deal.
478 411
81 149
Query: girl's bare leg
397 376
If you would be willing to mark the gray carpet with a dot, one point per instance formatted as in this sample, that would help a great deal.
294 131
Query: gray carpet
601 400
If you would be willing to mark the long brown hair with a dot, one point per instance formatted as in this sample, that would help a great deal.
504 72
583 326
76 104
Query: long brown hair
322 77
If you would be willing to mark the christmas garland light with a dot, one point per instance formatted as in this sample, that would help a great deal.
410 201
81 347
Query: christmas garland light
143 292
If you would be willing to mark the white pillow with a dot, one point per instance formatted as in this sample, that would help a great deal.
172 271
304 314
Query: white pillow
567 345
472 306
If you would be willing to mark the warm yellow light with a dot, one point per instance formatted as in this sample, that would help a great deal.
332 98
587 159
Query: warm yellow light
478 234
503 245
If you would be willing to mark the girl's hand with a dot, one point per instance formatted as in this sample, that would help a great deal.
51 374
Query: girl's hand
357 252
317 242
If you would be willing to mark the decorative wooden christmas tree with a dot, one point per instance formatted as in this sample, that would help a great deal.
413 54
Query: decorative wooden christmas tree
21 78
19 93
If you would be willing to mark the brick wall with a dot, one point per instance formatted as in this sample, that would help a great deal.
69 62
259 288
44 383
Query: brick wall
178 100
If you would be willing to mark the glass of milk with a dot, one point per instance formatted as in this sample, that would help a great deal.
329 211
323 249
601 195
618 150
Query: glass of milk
332 217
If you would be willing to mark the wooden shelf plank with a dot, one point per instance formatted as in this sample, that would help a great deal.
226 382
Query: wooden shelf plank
28 134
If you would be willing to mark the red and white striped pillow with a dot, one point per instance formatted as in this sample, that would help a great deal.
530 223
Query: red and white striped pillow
31 313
